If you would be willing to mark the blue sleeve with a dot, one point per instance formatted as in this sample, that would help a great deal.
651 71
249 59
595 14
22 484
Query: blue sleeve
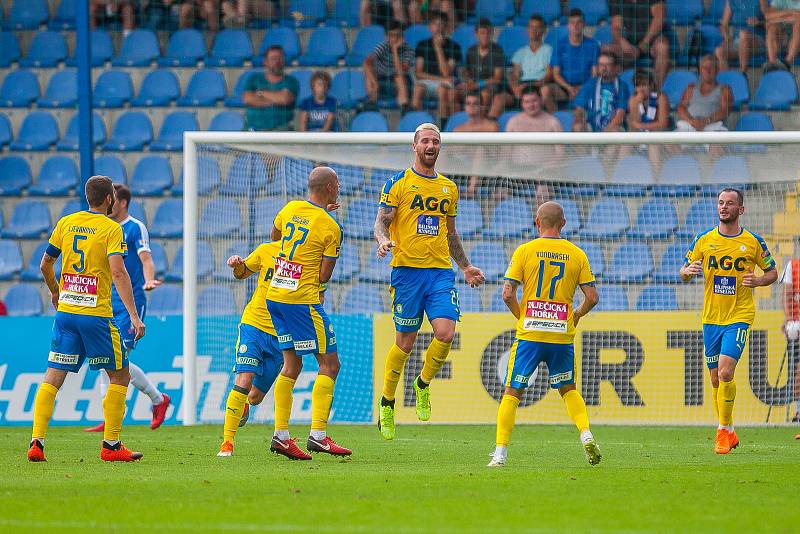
331 104
555 56
292 85
305 104
585 94
595 51
624 95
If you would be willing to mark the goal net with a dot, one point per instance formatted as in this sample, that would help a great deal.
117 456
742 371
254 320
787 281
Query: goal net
633 202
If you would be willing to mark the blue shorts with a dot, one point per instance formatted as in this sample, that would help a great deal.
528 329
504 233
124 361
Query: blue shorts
80 337
258 352
525 358
415 290
123 321
302 327
728 340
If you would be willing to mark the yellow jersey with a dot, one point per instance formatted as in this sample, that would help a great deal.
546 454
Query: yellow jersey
419 228
550 270
308 233
726 259
261 261
85 240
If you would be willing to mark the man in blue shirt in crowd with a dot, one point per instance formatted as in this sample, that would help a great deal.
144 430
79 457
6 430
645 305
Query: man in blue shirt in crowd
573 62
602 101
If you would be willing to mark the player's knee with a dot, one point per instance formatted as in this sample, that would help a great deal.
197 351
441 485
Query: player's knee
725 374
255 397
445 335
330 365
292 369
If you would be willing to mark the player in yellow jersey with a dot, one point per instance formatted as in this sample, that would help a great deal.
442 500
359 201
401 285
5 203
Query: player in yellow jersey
550 269
416 223
310 240
92 250
725 256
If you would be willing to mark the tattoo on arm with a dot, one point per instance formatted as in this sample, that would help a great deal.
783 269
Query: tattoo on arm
457 250
382 223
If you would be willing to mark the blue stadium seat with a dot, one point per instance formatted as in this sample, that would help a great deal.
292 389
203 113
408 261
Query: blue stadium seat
159 258
492 259
27 14
111 166
675 84
58 177
139 49
657 298
247 174
305 13
292 176
15 176
6 132
70 140
39 131
205 263
603 35
348 265
23 300
159 88
113 89
167 300
227 121
215 301
469 222
32 272
701 216
10 259
497 11
573 216
469 299
206 88
62 90
170 137
71 206
168 220
550 10
465 37
303 78
412 119
345 13
608 218
631 177
510 218
102 49
670 263
30 220
369 121
325 48
512 38
220 218
265 211
455 120
566 117
185 48
496 303
378 179
286 38
656 219
714 12
151 177
754 122
593 10
684 12
776 92
235 100
230 49
631 262
222 272
377 269
209 177
131 132
47 50
727 171
367 39
360 218
363 299
351 178
9 49
349 88
416 33
136 210
20 88
65 16
739 87
581 168
503 119
612 298
680 177
596 257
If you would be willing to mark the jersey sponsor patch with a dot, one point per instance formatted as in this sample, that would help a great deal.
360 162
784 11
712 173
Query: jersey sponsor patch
287 274
245 360
725 285
63 359
545 316
308 344
428 225
561 377
78 290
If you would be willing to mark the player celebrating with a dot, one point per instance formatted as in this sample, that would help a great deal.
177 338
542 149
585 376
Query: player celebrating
550 269
416 221
142 272
93 249
725 256
310 240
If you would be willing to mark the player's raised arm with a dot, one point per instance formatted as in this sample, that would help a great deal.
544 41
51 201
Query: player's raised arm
473 276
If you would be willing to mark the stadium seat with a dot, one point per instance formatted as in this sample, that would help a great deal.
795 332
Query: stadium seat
39 131
47 50
675 84
159 88
222 272
727 171
496 304
566 117
469 222
102 49
360 218
497 11
216 300
70 140
701 216
416 33
754 122
65 16
680 177
631 177
27 14
367 39
265 211
714 11
62 90
20 88
185 48
23 300
351 178
10 259
230 49
6 132
111 166
579 169
612 298
131 132
58 177
170 137
363 299
349 88
220 218
469 299
113 89
656 298
684 12
503 119
303 78
412 119
512 38
377 269
167 300
136 210
348 265
345 13
15 176
9 49
378 179
511 218
455 120
593 10
325 48
286 38
205 263
670 263
492 259
369 121
206 88
227 121
465 37
608 218
550 10
168 220
159 258
631 262
776 92
71 206
603 35
572 214
738 84
305 13
209 177
235 100
247 174
32 271
657 219
596 257
139 49
30 220
151 177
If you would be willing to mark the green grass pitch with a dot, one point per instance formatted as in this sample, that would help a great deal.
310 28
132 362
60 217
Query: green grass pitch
430 479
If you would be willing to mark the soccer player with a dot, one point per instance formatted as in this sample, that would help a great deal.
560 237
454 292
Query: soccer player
93 249
416 221
310 240
725 255
142 271
549 269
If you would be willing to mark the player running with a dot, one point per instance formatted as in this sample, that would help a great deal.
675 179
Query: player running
310 240
142 272
725 256
93 251
417 222
550 269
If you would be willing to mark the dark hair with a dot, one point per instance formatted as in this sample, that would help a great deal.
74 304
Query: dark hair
575 12
643 76
393 25
610 55
476 94
484 23
435 14
277 47
738 192
97 189
538 17
530 89
123 193
321 75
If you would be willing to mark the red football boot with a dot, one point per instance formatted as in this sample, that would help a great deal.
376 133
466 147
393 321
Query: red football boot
160 412
98 428
118 453
288 448
733 439
328 446
36 452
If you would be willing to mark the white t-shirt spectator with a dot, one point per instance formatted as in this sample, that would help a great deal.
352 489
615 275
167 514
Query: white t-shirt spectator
533 65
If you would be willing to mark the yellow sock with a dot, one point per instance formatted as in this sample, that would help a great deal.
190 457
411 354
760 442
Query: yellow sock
576 409
114 411
234 408
726 396
435 357
321 400
43 406
393 368
714 396
506 415
283 401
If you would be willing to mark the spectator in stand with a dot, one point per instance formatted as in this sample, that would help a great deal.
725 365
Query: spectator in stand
404 12
318 111
574 60
705 107
603 100
778 16
436 62
639 28
270 97
387 69
746 36
236 13
533 117
648 111
484 70
530 65
101 12
790 279
476 122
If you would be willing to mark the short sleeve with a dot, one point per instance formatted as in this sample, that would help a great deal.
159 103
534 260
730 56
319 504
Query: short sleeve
518 57
452 210
584 95
547 53
694 253
586 275
141 239
253 261
390 195
54 243
334 244
515 267
764 256
116 242
498 58
278 222
305 104
292 85
252 82
555 57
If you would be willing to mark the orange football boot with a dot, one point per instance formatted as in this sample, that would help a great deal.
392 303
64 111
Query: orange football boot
118 453
36 452
226 449
722 444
